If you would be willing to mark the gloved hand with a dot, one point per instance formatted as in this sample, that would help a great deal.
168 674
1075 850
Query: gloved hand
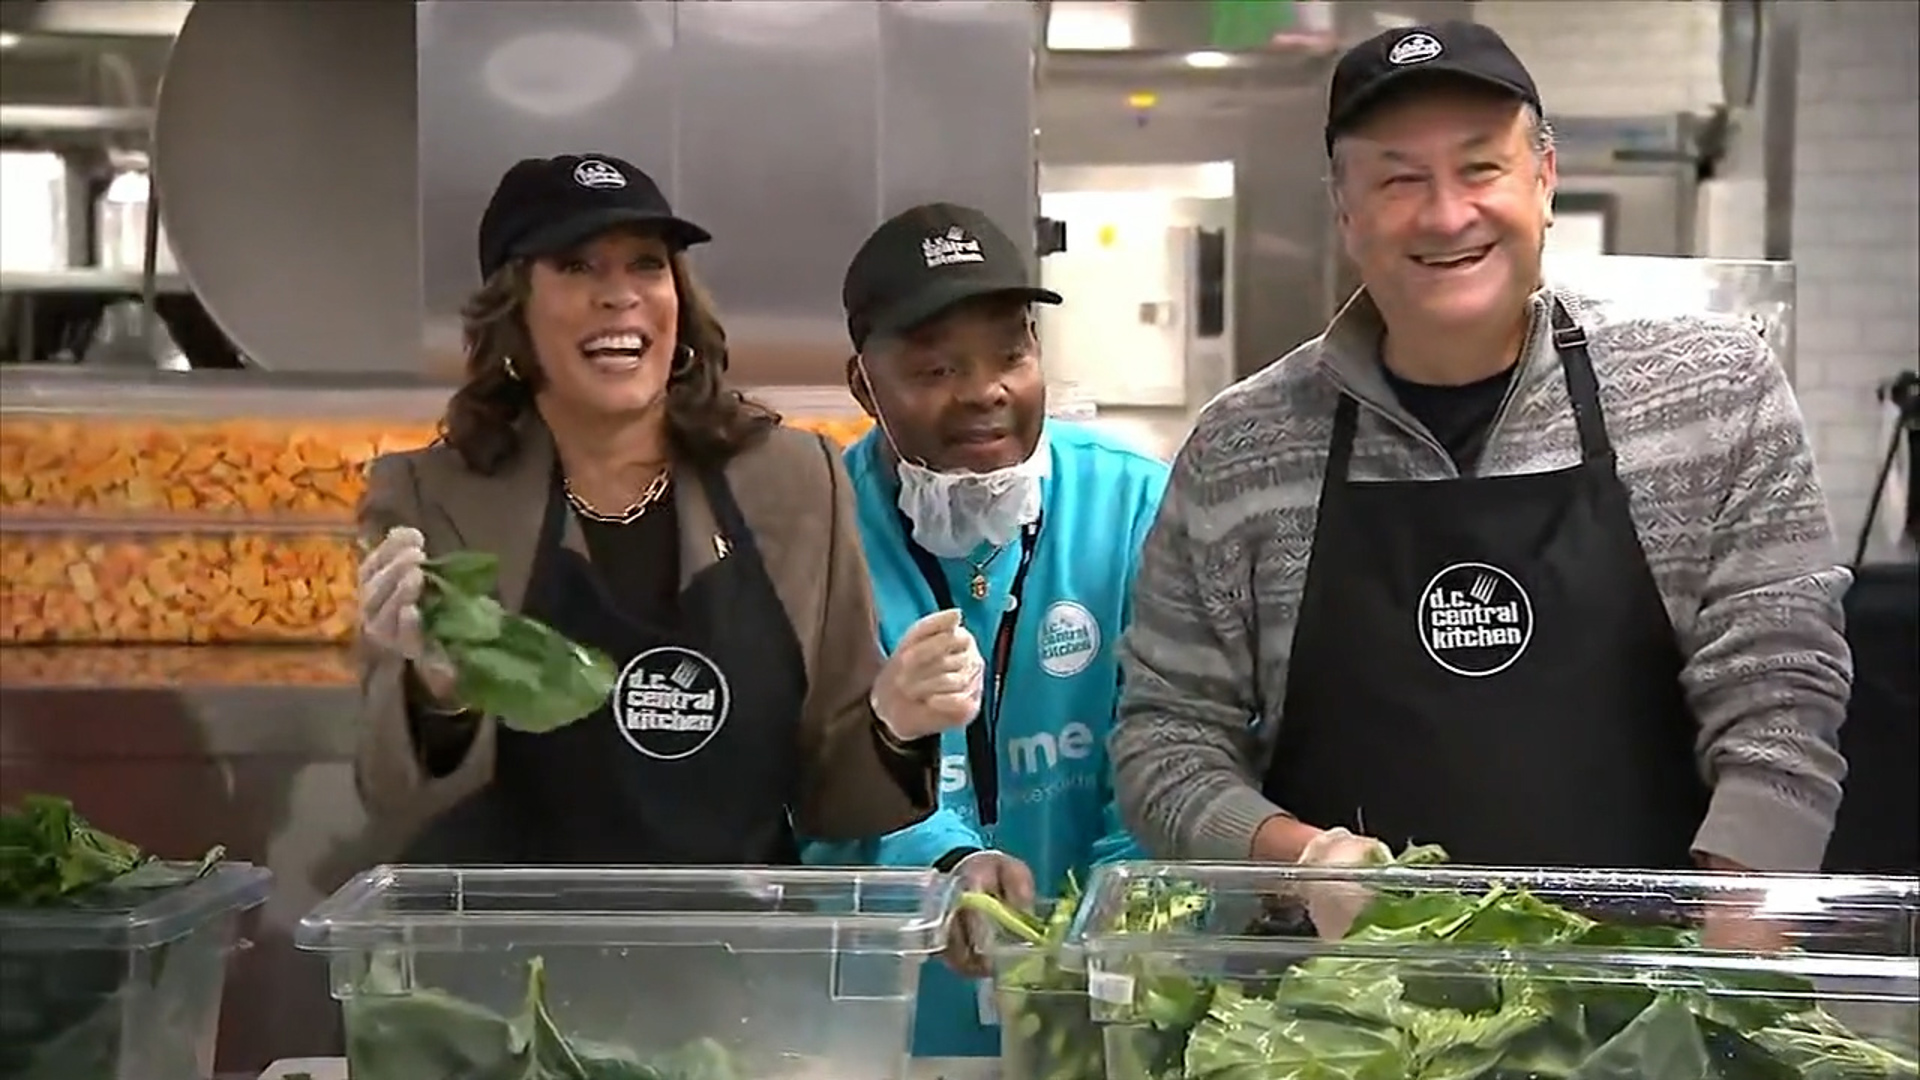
1333 905
999 875
932 681
390 582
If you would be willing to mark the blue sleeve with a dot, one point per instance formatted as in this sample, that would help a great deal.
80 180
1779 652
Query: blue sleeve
916 846
922 844
1116 844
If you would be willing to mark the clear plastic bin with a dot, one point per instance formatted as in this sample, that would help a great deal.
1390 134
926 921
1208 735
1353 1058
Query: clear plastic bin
102 993
776 974
1470 974
1040 998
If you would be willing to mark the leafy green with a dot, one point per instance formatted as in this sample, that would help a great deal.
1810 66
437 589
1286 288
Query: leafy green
50 855
525 674
1047 1029
63 1010
429 1035
1359 1017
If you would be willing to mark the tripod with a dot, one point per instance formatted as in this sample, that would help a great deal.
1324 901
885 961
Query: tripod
1904 393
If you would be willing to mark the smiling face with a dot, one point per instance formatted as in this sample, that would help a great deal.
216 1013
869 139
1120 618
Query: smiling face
962 392
1444 203
604 322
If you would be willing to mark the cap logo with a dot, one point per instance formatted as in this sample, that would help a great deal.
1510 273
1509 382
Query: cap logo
1415 48
952 246
594 173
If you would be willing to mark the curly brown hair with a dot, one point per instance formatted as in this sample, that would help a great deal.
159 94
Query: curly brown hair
708 422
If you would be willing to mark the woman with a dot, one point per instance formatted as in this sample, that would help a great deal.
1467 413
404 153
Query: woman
638 506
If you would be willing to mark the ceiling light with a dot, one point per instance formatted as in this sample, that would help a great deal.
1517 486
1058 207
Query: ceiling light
1208 59
8 39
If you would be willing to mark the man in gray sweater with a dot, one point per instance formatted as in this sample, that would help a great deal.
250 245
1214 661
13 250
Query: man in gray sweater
1489 564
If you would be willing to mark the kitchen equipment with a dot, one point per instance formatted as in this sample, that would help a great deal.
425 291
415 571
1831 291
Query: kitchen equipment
120 225
126 336
284 154
33 211
122 993
796 973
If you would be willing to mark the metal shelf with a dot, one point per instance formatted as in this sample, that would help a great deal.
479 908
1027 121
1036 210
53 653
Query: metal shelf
85 280
78 118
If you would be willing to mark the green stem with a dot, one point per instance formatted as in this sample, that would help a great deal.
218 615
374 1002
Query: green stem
1005 917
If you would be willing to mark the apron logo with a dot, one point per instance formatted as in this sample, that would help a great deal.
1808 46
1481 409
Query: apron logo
1069 639
1475 619
670 702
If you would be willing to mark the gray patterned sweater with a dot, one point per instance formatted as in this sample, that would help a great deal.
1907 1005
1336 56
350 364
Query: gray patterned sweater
1714 455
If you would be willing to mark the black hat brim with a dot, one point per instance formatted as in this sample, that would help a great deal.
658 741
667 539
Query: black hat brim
938 297
577 229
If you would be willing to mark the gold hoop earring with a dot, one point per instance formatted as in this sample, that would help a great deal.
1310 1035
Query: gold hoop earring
683 358
512 371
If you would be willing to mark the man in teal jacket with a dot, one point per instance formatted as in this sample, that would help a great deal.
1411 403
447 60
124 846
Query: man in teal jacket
970 497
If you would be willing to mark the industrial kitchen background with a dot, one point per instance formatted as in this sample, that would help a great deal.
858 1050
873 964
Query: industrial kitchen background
233 238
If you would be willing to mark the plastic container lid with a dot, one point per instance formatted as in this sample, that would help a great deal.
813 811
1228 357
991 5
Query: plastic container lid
170 915
748 909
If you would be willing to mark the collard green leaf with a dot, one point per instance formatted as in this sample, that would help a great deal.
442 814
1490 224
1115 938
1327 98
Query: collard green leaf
428 1035
1337 1017
473 573
525 674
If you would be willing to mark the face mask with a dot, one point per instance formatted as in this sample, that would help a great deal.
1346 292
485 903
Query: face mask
955 512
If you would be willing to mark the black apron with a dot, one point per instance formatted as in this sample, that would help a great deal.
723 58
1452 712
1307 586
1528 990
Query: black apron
1485 663
694 760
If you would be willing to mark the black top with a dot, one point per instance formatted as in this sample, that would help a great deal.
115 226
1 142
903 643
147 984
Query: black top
640 561
1459 417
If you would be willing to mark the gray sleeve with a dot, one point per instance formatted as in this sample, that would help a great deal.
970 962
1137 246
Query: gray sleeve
1768 670
1183 748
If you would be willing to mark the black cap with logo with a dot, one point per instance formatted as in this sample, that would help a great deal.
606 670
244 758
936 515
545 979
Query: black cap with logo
1460 50
544 206
927 259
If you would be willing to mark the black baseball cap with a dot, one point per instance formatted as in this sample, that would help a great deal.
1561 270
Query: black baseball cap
1468 51
925 260
547 205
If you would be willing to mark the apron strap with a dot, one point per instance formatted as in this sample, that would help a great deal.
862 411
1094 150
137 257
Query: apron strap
1583 389
1346 417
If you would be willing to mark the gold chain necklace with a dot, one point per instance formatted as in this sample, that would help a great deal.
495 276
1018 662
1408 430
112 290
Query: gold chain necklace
651 494
977 585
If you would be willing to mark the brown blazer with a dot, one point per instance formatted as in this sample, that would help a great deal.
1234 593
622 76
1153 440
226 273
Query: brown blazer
796 497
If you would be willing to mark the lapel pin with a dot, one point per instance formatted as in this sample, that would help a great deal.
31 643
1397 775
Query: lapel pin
721 549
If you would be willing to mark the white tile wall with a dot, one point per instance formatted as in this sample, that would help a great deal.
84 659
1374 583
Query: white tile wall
1856 207
1856 230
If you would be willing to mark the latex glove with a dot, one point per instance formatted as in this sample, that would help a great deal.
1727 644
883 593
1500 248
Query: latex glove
932 681
997 874
1333 905
391 578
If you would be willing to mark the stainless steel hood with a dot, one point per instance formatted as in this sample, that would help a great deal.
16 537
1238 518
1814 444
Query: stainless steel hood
789 129
323 166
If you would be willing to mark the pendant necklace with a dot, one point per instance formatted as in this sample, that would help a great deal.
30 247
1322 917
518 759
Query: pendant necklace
635 510
977 585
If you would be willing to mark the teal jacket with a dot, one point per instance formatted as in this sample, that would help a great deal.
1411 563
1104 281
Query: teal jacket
1055 805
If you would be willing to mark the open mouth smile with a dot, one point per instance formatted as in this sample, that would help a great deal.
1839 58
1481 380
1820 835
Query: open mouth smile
617 353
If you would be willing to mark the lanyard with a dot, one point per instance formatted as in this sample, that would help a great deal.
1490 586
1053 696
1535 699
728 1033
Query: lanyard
983 732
